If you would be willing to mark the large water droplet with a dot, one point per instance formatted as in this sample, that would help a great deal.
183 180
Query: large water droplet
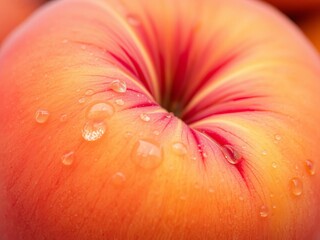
146 154
310 167
100 111
67 158
145 117
232 155
42 116
118 86
118 179
93 131
264 211
179 148
296 186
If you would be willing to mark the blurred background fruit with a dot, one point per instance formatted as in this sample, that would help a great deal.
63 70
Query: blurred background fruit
310 25
295 6
13 12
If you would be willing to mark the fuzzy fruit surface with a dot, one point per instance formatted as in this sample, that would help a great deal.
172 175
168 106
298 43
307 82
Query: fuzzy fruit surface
159 120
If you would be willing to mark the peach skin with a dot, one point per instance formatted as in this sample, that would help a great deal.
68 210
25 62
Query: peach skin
140 119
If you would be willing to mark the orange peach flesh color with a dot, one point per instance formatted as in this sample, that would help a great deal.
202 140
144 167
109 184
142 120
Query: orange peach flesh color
88 153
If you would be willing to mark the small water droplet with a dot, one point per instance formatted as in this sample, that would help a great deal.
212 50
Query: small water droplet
93 131
146 154
204 155
41 116
232 155
274 206
277 137
63 117
264 152
133 20
296 186
89 92
118 179
274 165
100 111
264 211
67 158
118 86
144 117
179 148
157 133
170 115
310 167
119 102
82 100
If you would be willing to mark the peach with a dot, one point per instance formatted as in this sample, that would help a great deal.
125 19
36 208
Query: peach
159 120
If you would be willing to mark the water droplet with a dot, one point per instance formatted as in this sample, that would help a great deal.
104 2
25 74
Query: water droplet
42 116
274 206
145 117
63 117
179 148
264 152
133 20
157 133
264 211
93 131
100 111
277 137
170 115
146 154
89 92
274 165
119 102
119 86
232 155
118 179
82 100
67 158
296 186
204 155
310 167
